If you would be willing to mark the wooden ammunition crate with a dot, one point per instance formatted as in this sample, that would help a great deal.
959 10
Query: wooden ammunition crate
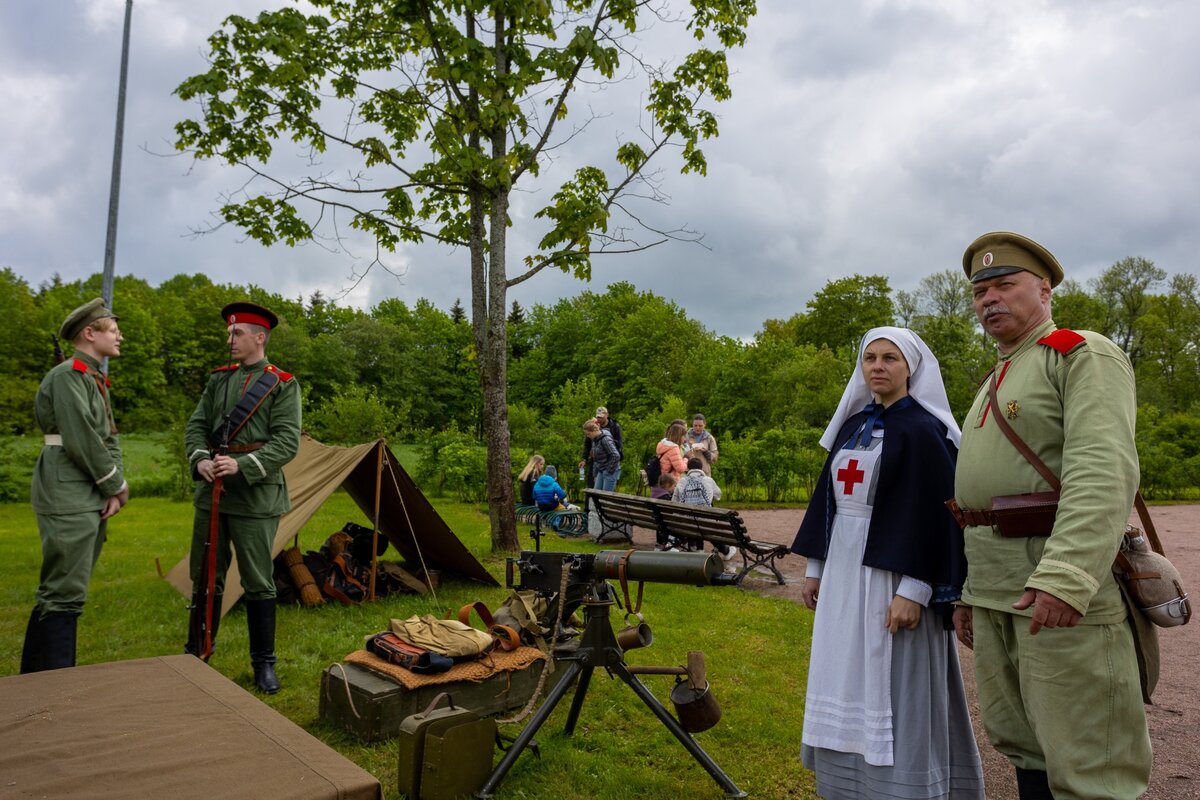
382 704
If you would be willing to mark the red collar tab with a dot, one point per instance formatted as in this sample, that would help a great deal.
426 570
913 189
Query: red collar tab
79 365
1064 340
283 376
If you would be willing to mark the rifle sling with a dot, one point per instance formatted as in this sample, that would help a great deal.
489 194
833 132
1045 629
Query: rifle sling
246 407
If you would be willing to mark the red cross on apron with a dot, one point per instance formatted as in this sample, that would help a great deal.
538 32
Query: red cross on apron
850 475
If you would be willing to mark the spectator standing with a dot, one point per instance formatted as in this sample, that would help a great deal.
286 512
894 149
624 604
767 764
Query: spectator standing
698 441
609 424
670 450
606 459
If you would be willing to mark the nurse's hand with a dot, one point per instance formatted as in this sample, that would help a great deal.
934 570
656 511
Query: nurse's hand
903 613
809 593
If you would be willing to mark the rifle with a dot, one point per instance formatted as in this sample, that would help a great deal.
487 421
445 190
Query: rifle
209 569
59 355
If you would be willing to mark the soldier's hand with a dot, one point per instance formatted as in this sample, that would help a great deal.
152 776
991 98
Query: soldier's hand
902 613
224 466
123 495
809 593
111 506
964 626
204 468
1048 611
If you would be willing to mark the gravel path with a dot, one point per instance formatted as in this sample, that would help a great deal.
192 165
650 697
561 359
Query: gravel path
1175 716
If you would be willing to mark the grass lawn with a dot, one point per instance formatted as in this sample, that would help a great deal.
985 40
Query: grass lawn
756 650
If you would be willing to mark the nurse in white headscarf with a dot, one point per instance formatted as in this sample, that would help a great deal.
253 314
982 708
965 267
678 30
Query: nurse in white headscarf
885 712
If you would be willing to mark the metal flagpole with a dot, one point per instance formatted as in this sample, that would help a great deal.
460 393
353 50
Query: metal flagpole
114 192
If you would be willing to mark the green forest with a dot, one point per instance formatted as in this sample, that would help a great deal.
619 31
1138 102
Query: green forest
410 373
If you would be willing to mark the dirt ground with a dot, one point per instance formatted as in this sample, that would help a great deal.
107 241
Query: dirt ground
1174 717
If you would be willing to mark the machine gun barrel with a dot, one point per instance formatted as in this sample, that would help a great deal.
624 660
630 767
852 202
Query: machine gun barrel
691 569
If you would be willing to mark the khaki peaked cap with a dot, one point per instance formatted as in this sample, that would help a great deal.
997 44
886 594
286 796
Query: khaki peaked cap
1002 253
83 316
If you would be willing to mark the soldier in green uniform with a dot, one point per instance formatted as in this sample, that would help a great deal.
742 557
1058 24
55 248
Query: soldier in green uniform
244 430
1054 654
78 483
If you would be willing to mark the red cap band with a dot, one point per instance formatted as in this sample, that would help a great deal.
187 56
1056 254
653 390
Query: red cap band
249 319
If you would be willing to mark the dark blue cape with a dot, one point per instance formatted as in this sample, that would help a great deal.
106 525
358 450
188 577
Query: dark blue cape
911 530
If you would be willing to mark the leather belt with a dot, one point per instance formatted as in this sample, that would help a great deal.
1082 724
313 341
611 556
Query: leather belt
52 440
250 447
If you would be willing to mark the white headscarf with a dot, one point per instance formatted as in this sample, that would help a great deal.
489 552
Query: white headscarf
924 384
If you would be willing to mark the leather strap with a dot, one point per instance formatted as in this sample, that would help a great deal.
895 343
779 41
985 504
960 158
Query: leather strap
508 638
245 408
1018 442
621 569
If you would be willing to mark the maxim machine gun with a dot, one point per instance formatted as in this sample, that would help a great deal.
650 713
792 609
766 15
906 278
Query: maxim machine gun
571 580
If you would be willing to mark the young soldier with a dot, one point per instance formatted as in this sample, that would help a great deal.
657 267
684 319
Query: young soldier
78 483
244 430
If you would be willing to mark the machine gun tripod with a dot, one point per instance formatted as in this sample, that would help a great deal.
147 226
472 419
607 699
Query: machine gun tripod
587 585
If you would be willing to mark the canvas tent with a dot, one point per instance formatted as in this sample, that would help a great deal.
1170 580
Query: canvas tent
366 471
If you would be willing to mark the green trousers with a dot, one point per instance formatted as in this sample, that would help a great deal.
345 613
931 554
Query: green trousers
252 538
1066 701
70 549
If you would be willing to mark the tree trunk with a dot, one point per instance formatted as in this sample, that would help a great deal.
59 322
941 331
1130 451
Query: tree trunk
493 349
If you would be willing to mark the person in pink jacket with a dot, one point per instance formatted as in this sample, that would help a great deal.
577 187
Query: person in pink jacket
670 451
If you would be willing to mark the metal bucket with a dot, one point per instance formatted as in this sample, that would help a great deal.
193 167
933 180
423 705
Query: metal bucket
697 709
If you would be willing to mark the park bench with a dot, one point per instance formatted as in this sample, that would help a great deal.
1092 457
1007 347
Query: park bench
690 524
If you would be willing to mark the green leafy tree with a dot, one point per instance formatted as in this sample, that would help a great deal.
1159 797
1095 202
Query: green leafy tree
449 107
845 309
1123 291
1075 308
353 415
1169 372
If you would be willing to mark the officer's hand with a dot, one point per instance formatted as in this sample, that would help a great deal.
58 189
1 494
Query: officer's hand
902 613
204 468
224 466
809 593
111 506
1048 611
964 626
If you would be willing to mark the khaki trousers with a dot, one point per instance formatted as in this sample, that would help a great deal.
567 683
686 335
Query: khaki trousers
1066 701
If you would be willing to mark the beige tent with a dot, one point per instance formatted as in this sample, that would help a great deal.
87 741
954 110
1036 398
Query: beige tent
375 480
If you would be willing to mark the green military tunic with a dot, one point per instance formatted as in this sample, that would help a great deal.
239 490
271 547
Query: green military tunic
78 469
1066 701
257 495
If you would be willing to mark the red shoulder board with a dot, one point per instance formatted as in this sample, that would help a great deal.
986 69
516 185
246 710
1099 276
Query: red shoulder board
225 368
79 366
283 376
1064 340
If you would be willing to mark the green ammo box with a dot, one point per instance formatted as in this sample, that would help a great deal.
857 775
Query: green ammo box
382 704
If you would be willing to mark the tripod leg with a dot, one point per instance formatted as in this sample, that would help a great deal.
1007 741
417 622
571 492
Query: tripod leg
585 677
523 739
664 716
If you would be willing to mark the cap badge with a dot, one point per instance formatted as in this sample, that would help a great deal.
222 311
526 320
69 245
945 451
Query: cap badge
987 260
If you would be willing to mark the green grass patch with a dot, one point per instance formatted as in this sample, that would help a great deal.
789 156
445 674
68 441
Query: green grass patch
756 650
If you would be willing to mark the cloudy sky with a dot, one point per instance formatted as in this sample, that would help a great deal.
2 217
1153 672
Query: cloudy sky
864 136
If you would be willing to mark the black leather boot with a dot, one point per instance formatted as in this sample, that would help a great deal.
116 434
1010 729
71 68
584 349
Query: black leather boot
195 617
58 640
1033 784
31 654
260 622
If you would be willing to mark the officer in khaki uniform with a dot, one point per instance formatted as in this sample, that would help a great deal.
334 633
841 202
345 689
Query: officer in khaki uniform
255 492
78 483
1054 654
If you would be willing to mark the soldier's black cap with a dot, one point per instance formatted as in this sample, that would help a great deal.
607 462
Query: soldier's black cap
249 313
83 316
